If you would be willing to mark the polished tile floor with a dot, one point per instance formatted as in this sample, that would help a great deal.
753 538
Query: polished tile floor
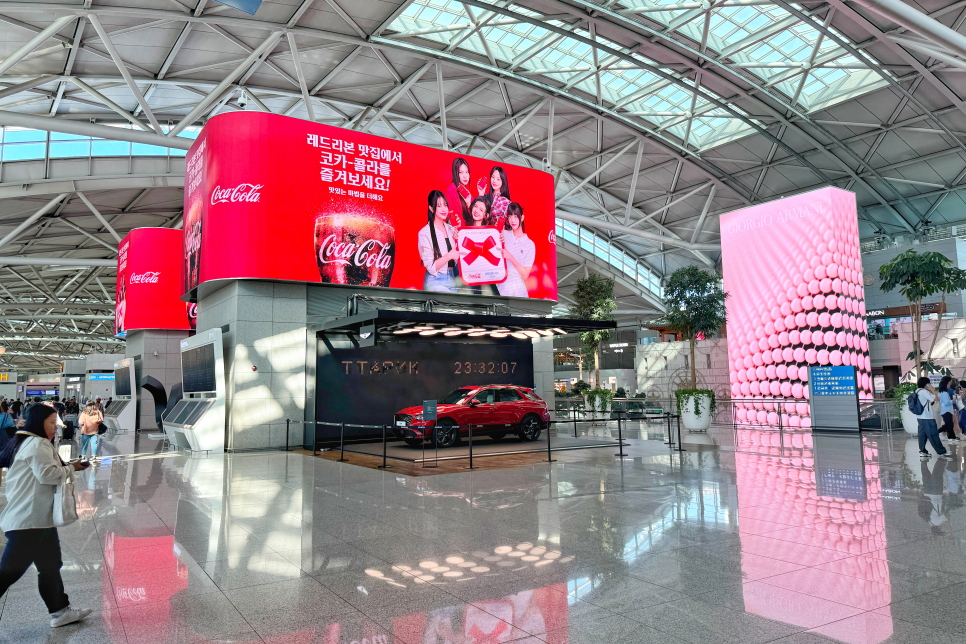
745 538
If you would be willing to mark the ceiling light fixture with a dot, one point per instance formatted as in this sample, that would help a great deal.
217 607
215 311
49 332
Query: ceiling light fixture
429 332
520 335
532 334
498 335
403 331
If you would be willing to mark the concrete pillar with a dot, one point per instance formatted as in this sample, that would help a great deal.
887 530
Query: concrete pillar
157 354
543 368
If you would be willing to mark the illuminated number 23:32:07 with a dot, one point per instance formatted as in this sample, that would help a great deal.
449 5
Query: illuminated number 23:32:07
485 367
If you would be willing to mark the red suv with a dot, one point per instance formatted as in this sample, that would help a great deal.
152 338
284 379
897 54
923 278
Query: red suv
500 409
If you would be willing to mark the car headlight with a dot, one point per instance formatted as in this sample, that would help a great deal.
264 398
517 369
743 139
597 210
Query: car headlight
418 417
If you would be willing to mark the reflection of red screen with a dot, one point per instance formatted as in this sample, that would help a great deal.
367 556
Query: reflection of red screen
272 197
794 277
149 281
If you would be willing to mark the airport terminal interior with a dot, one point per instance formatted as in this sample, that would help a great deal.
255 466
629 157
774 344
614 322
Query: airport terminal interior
482 321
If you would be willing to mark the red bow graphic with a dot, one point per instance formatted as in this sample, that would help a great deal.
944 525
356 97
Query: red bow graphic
478 249
479 637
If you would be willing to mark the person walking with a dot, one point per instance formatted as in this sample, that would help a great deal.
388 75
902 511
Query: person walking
15 407
7 425
89 422
928 430
34 473
947 401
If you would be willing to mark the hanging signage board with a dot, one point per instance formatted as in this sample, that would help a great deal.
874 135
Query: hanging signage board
833 398
148 293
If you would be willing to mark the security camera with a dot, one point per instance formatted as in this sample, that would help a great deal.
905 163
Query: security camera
243 100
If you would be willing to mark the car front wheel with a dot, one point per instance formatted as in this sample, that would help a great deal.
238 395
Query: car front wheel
445 433
530 428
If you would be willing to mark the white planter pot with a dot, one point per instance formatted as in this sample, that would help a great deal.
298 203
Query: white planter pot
691 420
909 421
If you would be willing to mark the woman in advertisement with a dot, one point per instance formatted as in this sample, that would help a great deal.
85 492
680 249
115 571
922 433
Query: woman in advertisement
441 272
480 213
499 196
458 193
520 253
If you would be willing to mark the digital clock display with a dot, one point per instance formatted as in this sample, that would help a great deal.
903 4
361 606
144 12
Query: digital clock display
368 385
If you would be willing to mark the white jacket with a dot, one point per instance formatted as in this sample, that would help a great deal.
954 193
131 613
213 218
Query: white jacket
31 480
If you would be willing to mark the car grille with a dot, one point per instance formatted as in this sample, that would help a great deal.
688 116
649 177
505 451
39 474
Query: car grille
406 418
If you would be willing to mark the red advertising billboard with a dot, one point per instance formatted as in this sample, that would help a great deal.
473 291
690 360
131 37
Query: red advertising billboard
149 282
273 197
795 301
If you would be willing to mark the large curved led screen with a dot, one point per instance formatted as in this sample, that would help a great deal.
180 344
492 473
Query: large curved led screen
272 197
148 288
793 272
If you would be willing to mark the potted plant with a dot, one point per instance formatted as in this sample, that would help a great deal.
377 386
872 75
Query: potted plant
909 421
695 303
593 299
598 402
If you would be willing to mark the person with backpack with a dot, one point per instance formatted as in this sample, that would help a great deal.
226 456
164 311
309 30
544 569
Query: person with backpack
921 404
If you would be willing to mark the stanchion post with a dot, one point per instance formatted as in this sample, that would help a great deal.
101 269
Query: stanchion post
549 459
680 447
575 422
315 438
288 421
670 436
471 449
620 436
383 466
341 443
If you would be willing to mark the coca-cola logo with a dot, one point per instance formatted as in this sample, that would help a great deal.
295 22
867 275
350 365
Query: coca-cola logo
369 254
148 277
552 237
248 192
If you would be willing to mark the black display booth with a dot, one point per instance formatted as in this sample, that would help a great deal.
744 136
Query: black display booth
369 366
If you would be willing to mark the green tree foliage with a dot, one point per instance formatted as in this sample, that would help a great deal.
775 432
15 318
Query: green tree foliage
917 276
695 304
594 300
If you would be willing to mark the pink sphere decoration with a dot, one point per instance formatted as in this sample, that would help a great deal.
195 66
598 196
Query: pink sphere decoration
799 354
840 300
783 338
841 339
836 319
849 305
864 342
800 319
826 285
820 272
760 373
824 319
775 388
806 421
772 418
770 372
761 417
810 356
796 305
788 354
861 309
781 371
786 389
797 390
756 360
847 357
802 289
808 303
791 293
740 376
773 341
766 358
829 338
755 388
748 361
762 344
742 414
795 336
812 318
835 357
770 328
802 408
822 357
850 340
793 372
809 275
814 287
819 301
745 389
806 336
786 309
775 312
832 270
794 421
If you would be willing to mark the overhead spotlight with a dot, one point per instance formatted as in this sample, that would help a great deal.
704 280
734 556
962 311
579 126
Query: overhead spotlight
450 328
532 334
544 332
423 328
453 333
519 335
429 332
476 330
560 331
502 331
498 335
403 331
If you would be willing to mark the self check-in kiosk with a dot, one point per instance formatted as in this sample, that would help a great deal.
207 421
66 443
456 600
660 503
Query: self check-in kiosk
197 422
121 414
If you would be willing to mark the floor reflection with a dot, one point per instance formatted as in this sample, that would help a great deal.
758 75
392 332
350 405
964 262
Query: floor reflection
748 536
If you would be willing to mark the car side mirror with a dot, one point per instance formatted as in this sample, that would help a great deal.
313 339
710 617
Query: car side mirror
474 403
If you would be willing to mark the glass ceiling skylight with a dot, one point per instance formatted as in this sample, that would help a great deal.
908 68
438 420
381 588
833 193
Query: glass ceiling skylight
532 50
769 42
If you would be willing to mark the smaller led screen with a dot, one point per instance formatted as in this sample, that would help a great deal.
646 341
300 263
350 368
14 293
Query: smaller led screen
122 381
198 369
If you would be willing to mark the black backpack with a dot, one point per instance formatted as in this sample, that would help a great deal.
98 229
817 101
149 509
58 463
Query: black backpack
915 405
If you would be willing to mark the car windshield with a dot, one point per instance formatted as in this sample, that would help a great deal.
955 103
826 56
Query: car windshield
455 396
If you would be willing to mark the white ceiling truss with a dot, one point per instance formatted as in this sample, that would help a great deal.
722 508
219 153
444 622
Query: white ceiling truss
655 117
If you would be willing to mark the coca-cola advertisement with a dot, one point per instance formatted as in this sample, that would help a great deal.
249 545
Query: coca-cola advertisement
273 197
149 282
